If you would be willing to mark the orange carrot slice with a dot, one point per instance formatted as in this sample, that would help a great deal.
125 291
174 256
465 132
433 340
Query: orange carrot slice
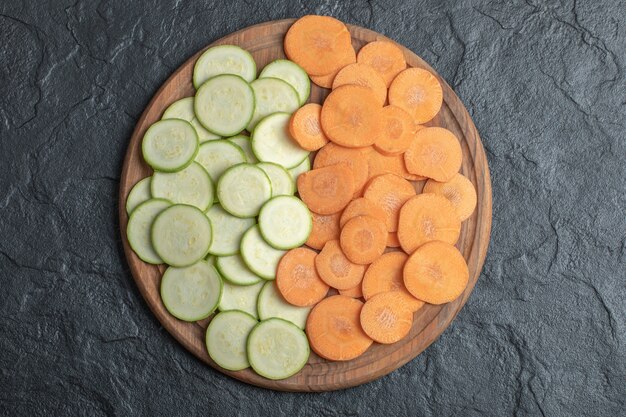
325 228
386 274
361 207
326 81
392 240
355 158
305 128
386 318
398 131
326 190
351 116
319 44
335 269
427 217
363 239
297 279
389 192
434 153
379 164
385 57
418 92
365 76
436 273
334 329
459 191
355 292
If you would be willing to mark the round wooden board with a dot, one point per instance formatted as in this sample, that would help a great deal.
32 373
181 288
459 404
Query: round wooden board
265 43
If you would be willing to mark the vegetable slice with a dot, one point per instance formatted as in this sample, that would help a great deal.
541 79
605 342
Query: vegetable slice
217 156
325 228
334 329
224 59
305 127
459 191
297 278
326 190
389 192
183 109
243 189
227 231
365 76
277 349
138 194
435 153
385 57
271 96
436 273
386 318
244 143
418 92
261 258
191 185
226 339
234 270
271 142
291 73
335 269
363 239
285 222
224 104
240 297
191 293
181 235
138 230
282 183
272 304
169 145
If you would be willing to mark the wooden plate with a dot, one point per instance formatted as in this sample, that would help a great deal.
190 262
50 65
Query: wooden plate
265 42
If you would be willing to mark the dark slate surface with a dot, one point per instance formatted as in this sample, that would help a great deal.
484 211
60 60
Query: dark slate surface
544 332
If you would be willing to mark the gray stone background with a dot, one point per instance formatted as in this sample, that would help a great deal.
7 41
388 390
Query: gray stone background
544 332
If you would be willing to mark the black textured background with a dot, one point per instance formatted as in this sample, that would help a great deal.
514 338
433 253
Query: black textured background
544 332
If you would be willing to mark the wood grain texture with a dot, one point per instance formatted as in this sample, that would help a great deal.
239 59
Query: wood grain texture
265 41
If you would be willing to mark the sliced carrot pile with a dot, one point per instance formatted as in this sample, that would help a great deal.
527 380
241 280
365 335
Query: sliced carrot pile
351 116
434 153
392 240
427 217
355 158
365 76
305 128
355 292
418 92
389 164
398 131
385 57
386 274
436 273
325 228
326 190
459 191
319 44
335 269
363 239
386 318
334 329
297 279
361 207
389 192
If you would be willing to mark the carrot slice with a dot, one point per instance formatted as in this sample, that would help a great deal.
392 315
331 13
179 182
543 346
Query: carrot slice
459 191
351 116
386 274
361 207
427 217
334 329
319 44
326 81
398 131
365 76
335 269
305 128
392 240
385 57
389 192
379 164
297 279
326 190
418 92
355 158
386 318
363 239
436 273
355 292
325 228
434 153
